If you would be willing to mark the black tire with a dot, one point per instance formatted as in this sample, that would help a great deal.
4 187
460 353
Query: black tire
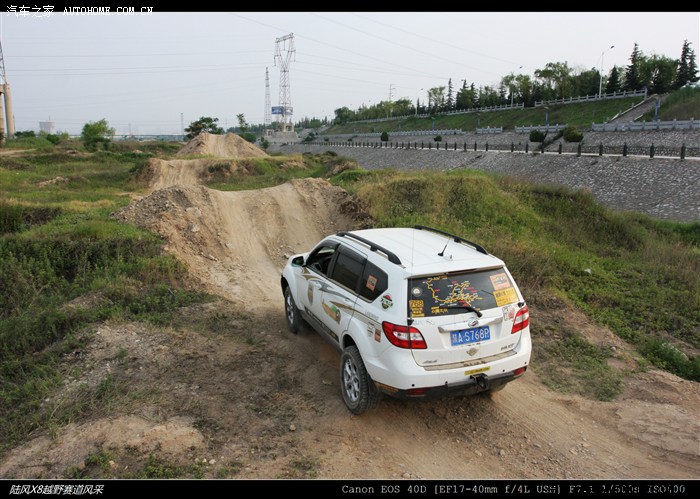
359 392
291 311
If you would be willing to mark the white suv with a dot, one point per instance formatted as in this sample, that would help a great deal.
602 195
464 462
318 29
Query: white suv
415 312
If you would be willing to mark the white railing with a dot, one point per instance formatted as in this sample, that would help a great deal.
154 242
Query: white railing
540 128
635 126
584 98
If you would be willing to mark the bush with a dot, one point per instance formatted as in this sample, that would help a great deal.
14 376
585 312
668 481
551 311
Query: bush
537 136
96 133
438 138
54 139
572 134
25 135
384 137
250 137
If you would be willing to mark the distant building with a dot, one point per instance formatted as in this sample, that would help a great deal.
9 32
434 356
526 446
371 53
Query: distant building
48 127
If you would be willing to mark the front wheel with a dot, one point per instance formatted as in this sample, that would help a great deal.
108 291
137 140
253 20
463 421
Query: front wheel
359 392
291 311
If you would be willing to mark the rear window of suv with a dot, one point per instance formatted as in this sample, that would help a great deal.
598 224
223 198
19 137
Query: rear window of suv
431 296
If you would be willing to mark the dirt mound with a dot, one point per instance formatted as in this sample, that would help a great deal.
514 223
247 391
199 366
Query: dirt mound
221 146
236 243
160 173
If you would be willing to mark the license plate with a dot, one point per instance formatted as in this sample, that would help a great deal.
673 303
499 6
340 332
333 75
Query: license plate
466 336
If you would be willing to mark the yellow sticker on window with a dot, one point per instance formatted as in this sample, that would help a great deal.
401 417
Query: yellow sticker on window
416 308
505 296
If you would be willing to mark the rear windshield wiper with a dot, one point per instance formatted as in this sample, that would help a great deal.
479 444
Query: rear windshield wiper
468 308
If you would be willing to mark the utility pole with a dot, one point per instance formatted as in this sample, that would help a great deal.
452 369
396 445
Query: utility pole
600 87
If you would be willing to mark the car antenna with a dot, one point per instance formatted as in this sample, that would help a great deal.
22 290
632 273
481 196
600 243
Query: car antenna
442 253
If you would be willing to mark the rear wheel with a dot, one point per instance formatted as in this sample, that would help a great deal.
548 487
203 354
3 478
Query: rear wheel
359 392
291 311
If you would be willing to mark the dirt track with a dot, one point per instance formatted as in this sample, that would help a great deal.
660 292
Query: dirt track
250 400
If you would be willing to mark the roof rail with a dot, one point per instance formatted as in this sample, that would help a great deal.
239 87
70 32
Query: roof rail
457 239
373 247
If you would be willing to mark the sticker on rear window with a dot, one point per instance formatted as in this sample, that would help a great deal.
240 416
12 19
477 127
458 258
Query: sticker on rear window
417 308
371 282
500 281
505 296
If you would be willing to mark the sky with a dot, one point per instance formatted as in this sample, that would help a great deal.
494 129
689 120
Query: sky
148 74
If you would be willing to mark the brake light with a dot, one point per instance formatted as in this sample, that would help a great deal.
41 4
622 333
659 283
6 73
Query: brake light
404 336
522 320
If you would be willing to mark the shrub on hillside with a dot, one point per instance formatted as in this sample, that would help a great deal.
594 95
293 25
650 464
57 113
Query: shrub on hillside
572 134
537 136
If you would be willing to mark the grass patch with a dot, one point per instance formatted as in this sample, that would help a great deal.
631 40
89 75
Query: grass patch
258 173
303 467
573 365
58 244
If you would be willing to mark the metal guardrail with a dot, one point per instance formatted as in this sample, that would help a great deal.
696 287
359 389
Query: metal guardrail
634 126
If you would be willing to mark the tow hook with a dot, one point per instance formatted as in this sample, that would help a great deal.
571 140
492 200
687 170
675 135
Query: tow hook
481 380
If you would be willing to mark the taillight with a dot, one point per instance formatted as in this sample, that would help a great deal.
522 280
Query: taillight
522 320
403 336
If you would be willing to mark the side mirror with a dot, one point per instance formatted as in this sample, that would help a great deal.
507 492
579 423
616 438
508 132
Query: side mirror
298 261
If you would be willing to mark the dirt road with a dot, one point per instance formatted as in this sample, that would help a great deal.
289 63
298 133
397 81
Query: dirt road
228 392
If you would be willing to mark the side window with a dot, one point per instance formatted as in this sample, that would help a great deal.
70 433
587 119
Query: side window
347 271
374 282
321 258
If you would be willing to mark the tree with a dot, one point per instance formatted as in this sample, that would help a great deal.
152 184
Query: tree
450 102
95 133
687 68
436 99
661 72
632 73
614 84
204 124
242 125
343 115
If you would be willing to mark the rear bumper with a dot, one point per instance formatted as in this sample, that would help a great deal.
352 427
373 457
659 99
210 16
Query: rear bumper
477 383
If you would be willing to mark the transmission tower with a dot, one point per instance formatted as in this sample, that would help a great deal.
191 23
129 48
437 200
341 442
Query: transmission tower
5 91
268 118
284 54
